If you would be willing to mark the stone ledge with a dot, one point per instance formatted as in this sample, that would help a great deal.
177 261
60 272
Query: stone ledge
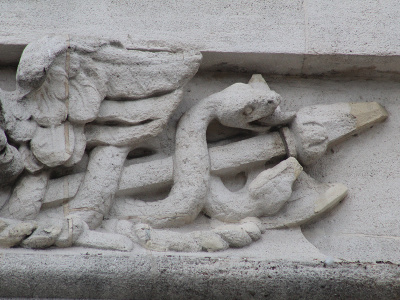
327 65
289 64
155 276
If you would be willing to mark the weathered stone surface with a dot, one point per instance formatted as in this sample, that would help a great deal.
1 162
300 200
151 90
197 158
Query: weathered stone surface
61 82
111 241
96 96
15 233
164 240
137 112
267 193
16 116
85 92
122 135
247 154
102 68
252 230
275 184
79 146
96 195
26 198
62 189
210 241
42 237
48 101
5 193
310 199
160 276
53 146
31 164
234 235
71 230
366 164
293 27
11 164
366 114
237 106
320 126
158 174
3 140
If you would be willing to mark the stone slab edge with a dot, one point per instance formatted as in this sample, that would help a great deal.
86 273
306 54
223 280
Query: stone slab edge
292 64
148 276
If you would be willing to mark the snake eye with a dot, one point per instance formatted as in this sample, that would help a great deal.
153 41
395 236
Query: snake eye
248 110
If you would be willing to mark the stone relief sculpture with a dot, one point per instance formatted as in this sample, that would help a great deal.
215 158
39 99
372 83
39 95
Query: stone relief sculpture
84 108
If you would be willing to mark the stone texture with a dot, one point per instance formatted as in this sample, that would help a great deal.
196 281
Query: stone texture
339 44
61 82
15 233
364 163
93 239
293 26
31 164
42 237
26 199
235 236
10 162
158 174
329 198
266 193
96 195
136 112
321 126
277 194
175 22
237 106
144 276
53 146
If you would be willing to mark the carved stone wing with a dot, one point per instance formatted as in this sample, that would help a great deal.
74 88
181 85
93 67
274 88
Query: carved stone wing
126 95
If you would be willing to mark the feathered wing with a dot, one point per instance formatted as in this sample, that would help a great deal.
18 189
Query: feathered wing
67 78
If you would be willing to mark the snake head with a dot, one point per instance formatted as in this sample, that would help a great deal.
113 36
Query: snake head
245 104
